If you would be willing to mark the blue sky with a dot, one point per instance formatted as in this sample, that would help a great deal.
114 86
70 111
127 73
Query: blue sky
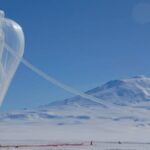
83 43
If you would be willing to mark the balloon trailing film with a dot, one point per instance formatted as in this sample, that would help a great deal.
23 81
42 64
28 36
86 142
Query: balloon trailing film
11 54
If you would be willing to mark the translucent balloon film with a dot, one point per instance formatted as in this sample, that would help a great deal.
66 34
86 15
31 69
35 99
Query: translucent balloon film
11 52
11 36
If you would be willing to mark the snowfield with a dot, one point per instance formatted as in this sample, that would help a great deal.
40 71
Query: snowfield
96 146
124 120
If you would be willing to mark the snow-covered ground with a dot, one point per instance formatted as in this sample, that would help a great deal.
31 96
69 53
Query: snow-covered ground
95 146
125 118
90 130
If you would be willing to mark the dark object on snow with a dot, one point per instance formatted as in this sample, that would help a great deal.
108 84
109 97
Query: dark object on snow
91 143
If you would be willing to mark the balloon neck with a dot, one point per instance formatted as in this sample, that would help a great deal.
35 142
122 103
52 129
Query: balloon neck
2 14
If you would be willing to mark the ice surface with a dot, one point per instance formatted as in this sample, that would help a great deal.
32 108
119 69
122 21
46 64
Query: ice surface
95 146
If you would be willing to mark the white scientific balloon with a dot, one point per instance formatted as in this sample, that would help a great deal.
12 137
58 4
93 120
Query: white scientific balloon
11 38
11 52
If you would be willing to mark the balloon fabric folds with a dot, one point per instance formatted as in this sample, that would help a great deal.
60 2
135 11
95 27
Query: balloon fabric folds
11 37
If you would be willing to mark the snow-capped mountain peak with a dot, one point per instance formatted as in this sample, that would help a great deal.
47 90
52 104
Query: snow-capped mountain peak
123 92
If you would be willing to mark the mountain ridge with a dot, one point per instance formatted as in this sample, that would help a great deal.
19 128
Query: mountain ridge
123 91
129 102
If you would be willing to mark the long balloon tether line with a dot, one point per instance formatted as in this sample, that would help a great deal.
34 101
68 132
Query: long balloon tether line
54 81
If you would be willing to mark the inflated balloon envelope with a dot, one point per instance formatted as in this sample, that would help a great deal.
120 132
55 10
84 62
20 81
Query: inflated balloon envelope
12 37
11 52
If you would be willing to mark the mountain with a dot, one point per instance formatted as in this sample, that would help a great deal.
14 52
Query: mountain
123 92
133 90
127 100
